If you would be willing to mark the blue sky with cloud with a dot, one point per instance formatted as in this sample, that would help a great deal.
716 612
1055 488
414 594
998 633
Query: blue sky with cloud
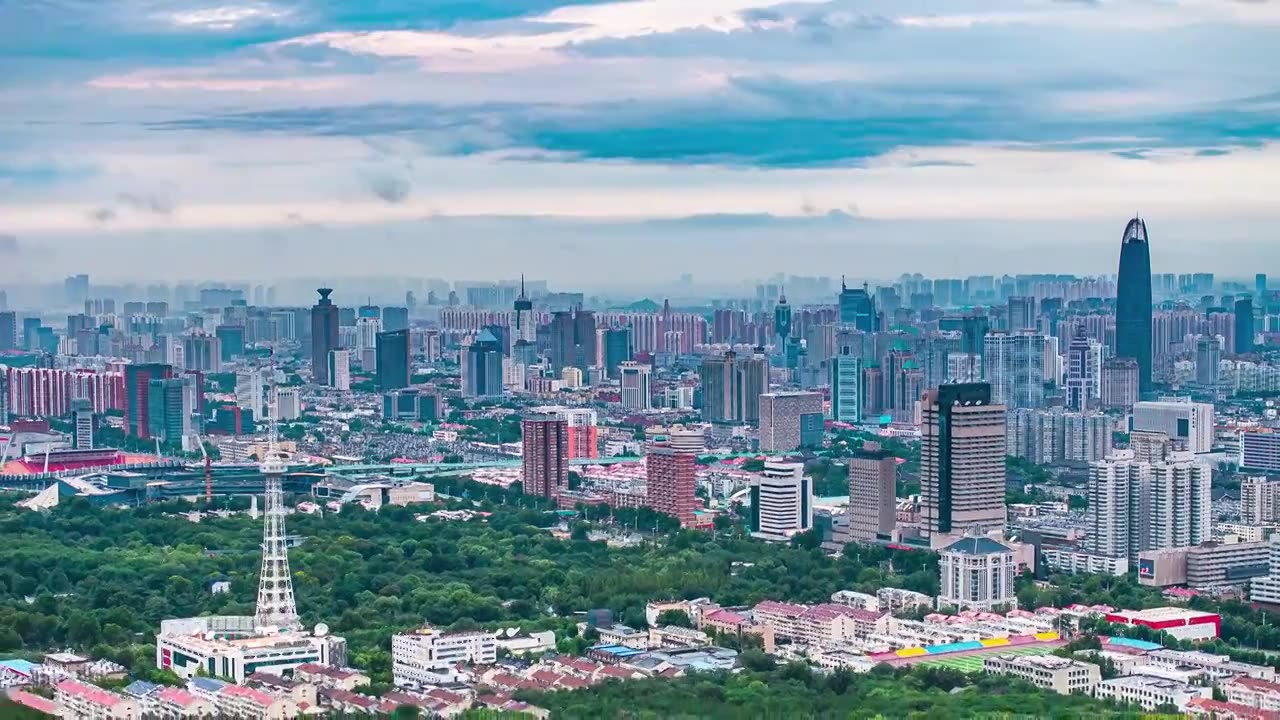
874 135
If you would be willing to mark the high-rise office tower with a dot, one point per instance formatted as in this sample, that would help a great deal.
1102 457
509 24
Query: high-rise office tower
671 470
367 329
1014 368
173 408
249 389
782 322
731 387
581 426
340 369
202 352
573 339
1244 326
1133 301
137 396
753 382
1208 360
545 456
781 501
719 379
1022 313
8 331
395 318
617 349
324 336
635 386
393 359
790 420
846 389
1260 285
857 308
962 470
1120 383
231 339
872 493
1082 388
523 326
84 423
482 372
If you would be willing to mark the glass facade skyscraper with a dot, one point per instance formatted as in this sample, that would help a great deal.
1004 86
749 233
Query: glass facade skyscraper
1133 301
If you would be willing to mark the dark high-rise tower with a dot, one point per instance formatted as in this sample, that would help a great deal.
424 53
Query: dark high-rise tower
1133 301
324 336
782 321
857 308
1244 326
392 351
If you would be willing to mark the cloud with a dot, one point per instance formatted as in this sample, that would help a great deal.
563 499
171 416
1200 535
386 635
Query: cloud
390 188
102 214
146 202
9 244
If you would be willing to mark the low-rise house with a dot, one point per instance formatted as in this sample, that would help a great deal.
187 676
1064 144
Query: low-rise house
1253 693
329 676
177 703
87 702
674 636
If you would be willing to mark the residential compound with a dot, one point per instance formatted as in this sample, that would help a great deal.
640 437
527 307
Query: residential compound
1138 506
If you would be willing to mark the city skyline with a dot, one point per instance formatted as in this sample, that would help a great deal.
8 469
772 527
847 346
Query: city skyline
299 136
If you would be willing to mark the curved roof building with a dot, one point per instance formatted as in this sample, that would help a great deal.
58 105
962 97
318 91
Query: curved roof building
1133 300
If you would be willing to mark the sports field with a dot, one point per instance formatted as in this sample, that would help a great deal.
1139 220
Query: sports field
972 662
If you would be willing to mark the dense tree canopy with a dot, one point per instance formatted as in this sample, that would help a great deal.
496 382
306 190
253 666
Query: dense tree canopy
101 580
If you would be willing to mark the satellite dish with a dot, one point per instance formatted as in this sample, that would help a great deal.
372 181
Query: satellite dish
321 630
512 632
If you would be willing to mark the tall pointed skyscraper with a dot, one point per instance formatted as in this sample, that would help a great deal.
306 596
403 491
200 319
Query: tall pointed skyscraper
782 321
1133 301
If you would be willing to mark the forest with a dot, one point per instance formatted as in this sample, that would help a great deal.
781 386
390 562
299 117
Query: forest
101 580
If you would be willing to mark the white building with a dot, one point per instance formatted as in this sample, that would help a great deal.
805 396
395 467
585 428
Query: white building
1047 672
846 388
679 397
1266 590
1074 562
249 388
781 501
1258 500
978 573
1150 693
340 369
427 656
635 385
288 405
1179 419
232 647
367 330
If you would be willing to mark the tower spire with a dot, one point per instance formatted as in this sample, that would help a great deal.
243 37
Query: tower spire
276 607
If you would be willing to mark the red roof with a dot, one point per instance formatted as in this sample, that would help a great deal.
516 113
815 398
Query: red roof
780 608
728 617
178 697
257 697
614 672
1225 710
92 694
35 702
1255 684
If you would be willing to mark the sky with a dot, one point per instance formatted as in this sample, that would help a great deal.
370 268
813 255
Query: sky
594 142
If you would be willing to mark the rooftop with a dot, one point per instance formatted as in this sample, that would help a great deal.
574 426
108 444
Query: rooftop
977 546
